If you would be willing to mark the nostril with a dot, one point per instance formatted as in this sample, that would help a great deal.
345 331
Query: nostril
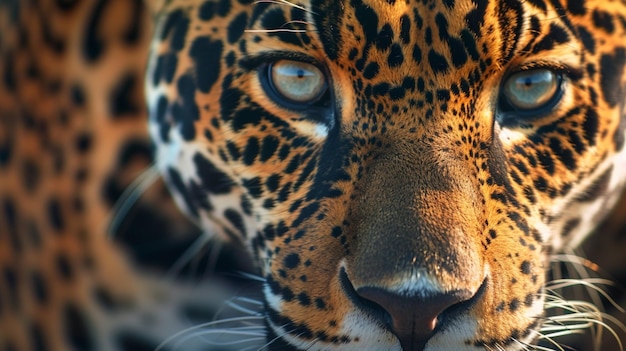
368 306
413 319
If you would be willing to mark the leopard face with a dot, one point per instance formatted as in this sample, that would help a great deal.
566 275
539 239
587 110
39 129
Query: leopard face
400 171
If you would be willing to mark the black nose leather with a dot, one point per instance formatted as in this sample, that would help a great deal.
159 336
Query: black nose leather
413 319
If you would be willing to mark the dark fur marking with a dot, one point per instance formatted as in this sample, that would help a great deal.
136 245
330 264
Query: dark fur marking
93 46
526 267
179 31
555 36
77 94
305 300
540 4
236 220
177 182
246 205
237 27
291 261
165 68
269 146
603 20
475 19
105 299
11 280
133 32
301 330
368 18
396 57
186 112
254 115
384 37
546 161
39 287
64 267
569 227
251 151
438 62
417 54
66 5
8 77
305 173
514 305
160 116
272 182
233 150
11 220
206 55
306 213
511 17
371 70
457 52
587 39
50 39
611 72
172 19
575 140
328 18
120 100
618 137
564 155
78 329
213 180
576 7
405 29
253 185
590 126
199 196
207 10
55 216
275 19
37 338
31 175
598 188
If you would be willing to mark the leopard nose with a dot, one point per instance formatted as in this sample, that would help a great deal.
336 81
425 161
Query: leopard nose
413 319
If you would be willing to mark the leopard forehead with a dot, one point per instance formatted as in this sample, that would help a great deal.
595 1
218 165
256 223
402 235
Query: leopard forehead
410 176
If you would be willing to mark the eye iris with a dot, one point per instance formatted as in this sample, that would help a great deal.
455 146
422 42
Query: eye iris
297 81
531 89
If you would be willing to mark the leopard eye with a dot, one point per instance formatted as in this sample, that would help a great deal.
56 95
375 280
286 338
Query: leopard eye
297 82
532 90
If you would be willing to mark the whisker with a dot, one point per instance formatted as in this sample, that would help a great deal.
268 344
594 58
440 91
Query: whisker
284 2
542 336
207 325
279 30
189 254
240 308
589 283
211 342
278 337
129 197
251 276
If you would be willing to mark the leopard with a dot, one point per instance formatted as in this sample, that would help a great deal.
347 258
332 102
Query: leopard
341 174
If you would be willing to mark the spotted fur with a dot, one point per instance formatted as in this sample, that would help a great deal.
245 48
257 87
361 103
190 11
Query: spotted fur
411 205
